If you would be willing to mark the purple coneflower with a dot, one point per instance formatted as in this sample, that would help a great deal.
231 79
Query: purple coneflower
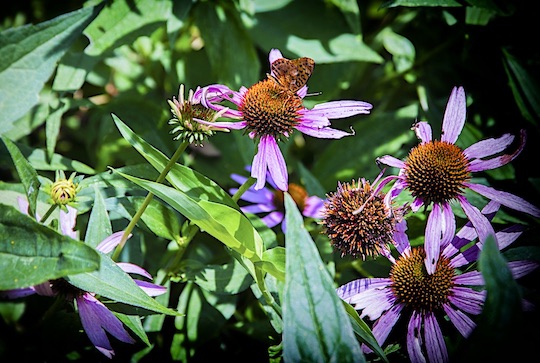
96 319
437 172
270 200
424 298
270 113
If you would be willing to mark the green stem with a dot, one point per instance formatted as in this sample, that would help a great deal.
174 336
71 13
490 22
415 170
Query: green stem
247 184
48 214
148 199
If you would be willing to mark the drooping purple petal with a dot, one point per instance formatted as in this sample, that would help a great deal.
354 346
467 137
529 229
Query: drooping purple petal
151 289
110 243
391 161
23 207
96 319
44 289
269 156
470 278
313 121
373 302
483 227
17 293
522 268
401 240
356 287
131 268
435 346
454 115
462 322
68 221
423 131
383 326
225 125
449 224
313 207
414 339
481 165
432 244
467 299
258 208
322 133
507 199
488 147
273 219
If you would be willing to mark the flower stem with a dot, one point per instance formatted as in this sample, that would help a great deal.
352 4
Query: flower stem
48 214
148 199
248 183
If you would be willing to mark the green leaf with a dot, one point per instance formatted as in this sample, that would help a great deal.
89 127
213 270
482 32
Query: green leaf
31 253
273 262
226 224
316 327
39 161
230 50
185 179
501 321
525 88
158 217
134 323
28 57
362 330
99 223
52 127
227 279
27 174
112 282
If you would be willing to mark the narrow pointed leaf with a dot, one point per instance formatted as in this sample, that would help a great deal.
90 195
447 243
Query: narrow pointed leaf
27 173
316 327
226 224
31 253
112 282
99 220
194 184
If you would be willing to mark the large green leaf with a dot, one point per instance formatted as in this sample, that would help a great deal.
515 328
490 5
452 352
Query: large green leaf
31 253
185 179
112 282
226 224
99 220
28 57
316 327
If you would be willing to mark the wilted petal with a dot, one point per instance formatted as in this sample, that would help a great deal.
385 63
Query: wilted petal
414 339
96 319
391 161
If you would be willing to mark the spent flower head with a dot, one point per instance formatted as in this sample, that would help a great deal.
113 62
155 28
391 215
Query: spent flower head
437 172
426 299
186 116
359 222
270 110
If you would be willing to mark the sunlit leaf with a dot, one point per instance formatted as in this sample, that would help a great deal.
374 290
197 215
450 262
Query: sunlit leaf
316 326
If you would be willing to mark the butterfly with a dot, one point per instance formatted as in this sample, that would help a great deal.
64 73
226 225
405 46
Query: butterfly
292 74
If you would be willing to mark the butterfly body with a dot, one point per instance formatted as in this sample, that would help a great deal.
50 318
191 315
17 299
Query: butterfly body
292 74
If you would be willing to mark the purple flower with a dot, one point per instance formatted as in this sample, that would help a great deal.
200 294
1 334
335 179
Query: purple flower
269 113
96 319
437 172
270 201
423 298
